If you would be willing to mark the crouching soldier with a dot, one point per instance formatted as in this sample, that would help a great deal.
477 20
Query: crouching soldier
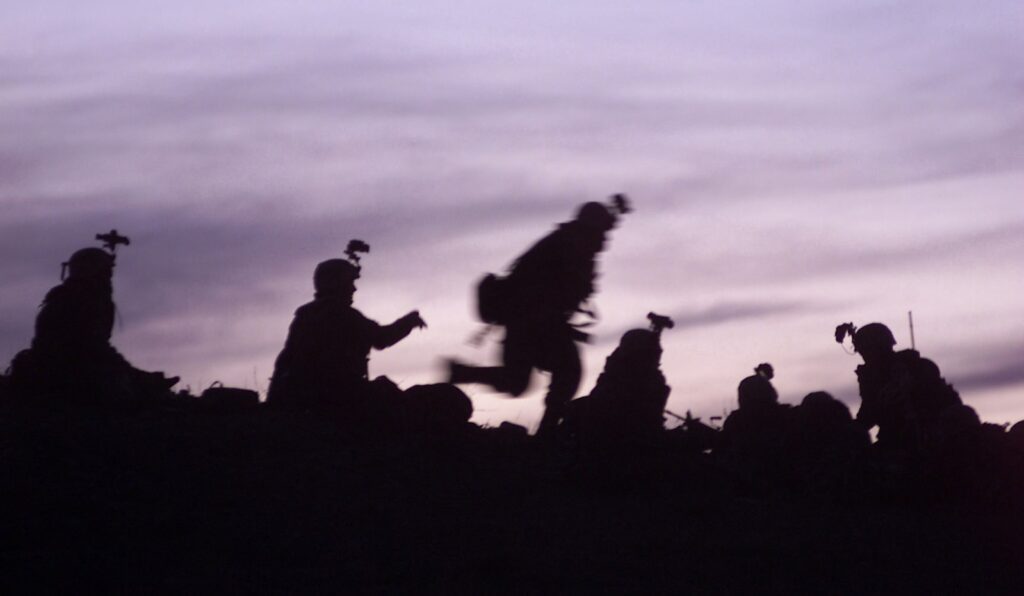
627 405
325 357
71 358
826 447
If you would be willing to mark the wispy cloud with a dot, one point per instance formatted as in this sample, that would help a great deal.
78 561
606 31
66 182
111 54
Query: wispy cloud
727 312
998 376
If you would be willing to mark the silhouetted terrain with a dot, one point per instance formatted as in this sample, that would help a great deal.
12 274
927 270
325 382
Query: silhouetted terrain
187 500
340 483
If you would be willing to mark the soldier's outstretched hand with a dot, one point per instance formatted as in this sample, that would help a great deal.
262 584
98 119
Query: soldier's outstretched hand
415 320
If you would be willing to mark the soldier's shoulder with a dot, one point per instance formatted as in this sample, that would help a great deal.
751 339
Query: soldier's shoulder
357 317
63 293
913 358
908 355
320 311
543 246
306 309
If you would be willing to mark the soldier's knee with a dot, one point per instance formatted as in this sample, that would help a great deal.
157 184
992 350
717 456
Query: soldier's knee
517 388
564 384
570 372
516 382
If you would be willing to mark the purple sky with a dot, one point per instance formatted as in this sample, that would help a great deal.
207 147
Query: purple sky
794 165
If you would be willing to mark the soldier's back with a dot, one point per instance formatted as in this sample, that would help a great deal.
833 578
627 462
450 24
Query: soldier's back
74 317
558 271
930 394
325 354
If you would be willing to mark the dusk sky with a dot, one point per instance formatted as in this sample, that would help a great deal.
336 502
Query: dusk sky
793 165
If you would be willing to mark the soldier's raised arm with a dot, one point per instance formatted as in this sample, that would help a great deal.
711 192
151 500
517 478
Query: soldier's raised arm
390 335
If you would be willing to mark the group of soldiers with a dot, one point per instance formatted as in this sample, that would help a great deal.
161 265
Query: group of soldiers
539 302
928 444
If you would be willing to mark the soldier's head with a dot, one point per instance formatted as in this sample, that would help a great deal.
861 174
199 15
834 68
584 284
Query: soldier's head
596 216
641 345
335 278
873 341
93 264
820 408
756 393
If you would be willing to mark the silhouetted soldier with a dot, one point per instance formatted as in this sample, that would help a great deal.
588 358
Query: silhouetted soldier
628 402
968 458
754 436
759 419
901 392
546 287
71 355
826 446
324 360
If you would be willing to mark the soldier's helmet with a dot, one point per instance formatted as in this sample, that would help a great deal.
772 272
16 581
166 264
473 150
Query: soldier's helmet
821 408
641 344
756 393
90 263
334 275
873 337
596 216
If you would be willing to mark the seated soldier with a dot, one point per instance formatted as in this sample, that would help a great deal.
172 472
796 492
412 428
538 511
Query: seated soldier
71 357
901 392
628 401
825 443
755 436
324 360
760 422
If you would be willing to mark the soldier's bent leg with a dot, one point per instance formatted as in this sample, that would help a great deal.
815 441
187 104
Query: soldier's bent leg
512 378
566 372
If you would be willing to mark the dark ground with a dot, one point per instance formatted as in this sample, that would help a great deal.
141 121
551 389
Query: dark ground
263 502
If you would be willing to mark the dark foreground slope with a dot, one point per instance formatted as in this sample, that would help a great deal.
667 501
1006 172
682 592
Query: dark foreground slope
262 502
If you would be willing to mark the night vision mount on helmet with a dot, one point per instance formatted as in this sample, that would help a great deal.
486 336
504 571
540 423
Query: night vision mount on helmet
356 246
334 274
112 239
660 322
872 334
86 262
